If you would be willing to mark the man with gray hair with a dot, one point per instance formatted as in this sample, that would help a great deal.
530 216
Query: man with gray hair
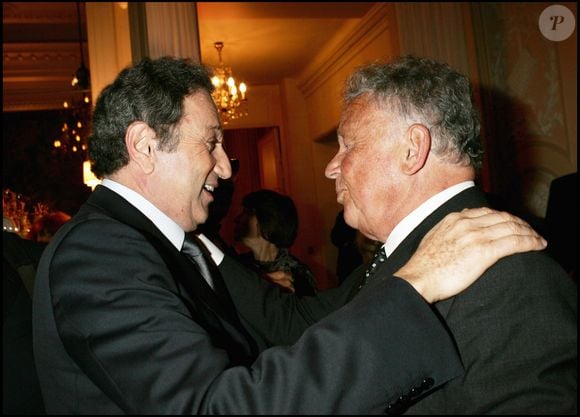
409 149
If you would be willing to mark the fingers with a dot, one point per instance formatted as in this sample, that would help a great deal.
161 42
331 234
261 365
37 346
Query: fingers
499 224
485 216
490 224
506 244
475 212
462 246
282 278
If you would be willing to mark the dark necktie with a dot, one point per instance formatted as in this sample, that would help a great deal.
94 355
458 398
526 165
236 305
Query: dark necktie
191 247
379 257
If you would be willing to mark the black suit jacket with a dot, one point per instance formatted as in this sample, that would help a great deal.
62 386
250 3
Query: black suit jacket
124 323
20 389
515 327
516 330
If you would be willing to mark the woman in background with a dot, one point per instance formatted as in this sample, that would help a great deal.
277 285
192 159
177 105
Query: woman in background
268 225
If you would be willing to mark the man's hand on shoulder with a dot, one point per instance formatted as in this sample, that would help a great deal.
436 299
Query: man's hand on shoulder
462 246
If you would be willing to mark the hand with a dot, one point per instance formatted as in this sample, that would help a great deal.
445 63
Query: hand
462 246
282 278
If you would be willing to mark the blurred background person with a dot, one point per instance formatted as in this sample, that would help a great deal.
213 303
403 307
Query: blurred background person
45 226
562 222
268 225
20 387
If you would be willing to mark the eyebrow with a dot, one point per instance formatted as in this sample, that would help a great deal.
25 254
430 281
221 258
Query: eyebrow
217 132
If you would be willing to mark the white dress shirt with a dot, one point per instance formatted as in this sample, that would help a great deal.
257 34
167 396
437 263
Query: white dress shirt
171 230
412 220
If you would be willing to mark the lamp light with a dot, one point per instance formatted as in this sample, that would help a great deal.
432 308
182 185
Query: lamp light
229 97
89 177
77 109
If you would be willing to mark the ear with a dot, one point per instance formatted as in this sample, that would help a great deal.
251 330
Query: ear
418 144
141 144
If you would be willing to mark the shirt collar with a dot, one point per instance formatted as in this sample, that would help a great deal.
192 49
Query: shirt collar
412 220
171 230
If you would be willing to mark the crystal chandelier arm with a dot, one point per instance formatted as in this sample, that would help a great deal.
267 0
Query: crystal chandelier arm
229 97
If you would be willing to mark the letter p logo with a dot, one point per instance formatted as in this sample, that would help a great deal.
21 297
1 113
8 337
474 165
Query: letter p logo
557 23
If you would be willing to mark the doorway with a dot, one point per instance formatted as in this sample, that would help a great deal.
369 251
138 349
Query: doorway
260 166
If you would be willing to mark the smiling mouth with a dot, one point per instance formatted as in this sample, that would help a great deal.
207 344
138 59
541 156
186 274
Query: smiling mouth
209 188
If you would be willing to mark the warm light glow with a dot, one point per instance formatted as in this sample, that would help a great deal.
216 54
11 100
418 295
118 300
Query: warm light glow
230 104
89 178
65 104
57 143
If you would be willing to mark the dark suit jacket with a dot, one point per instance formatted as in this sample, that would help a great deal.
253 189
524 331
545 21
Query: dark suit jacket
124 323
20 388
562 222
516 330
515 327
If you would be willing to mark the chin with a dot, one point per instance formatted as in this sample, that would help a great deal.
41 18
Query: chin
349 219
199 219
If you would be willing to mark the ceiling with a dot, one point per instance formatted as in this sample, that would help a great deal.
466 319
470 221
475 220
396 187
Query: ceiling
263 43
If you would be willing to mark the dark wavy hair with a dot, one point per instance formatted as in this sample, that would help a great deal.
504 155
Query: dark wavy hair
427 92
151 91
276 214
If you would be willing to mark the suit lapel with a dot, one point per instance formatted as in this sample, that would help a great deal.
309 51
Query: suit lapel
197 290
469 198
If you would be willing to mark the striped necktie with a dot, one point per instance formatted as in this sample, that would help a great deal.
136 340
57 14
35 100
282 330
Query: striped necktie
191 247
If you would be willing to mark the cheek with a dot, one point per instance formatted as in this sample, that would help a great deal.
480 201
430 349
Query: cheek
357 173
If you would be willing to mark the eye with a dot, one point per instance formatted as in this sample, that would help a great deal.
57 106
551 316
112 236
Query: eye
211 144
343 145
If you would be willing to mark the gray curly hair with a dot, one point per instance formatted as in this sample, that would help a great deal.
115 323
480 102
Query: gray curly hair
427 92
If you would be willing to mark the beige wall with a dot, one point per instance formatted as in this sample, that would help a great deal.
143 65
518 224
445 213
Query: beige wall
312 106
529 91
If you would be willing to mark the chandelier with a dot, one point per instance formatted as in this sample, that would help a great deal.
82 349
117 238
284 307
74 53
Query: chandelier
82 78
229 97
74 132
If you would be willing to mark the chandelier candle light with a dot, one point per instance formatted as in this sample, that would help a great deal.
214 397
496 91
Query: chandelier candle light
75 129
229 98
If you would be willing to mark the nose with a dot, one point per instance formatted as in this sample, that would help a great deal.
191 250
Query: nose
222 168
333 168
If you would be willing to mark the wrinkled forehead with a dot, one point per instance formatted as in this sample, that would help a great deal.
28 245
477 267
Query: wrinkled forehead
361 112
